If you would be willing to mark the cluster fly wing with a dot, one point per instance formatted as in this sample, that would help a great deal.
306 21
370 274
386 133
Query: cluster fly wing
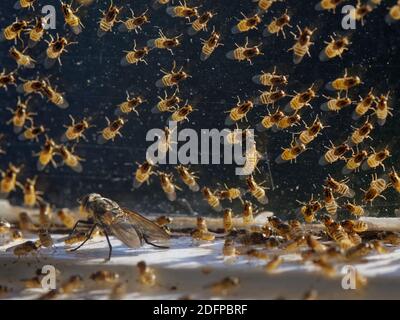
126 232
134 228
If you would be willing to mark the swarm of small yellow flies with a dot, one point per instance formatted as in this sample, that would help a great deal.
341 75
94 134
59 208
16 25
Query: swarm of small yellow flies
338 241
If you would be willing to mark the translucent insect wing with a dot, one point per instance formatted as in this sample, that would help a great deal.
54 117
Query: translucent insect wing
126 232
151 231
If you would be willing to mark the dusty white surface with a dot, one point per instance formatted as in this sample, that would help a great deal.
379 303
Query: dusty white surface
189 267
183 266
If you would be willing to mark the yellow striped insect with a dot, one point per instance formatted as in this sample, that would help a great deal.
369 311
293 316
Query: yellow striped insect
354 162
264 5
200 23
211 199
70 17
252 157
25 4
270 79
288 121
229 193
46 154
277 25
314 244
242 53
248 213
74 283
188 178
135 56
70 159
108 20
296 230
25 223
104 276
239 111
330 203
22 59
335 104
210 45
354 225
360 11
364 105
67 219
229 251
237 135
201 224
182 11
256 190
338 234
165 142
163 221
54 96
291 153
172 78
143 173
37 32
327 5
395 180
376 187
301 99
45 239
20 115
382 109
111 130
375 159
164 42
8 181
45 214
344 83
181 114
55 48
227 220
32 133
168 186
31 86
31 195
361 133
269 120
246 24
200 235
334 153
302 44
129 105
147 275
311 132
340 187
335 48
76 130
134 23
269 97
14 30
168 103
7 79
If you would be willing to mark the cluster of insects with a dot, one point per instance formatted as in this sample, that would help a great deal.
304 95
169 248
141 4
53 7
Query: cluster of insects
285 111
102 279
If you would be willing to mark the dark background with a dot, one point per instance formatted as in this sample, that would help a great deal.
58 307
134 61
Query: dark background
95 83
